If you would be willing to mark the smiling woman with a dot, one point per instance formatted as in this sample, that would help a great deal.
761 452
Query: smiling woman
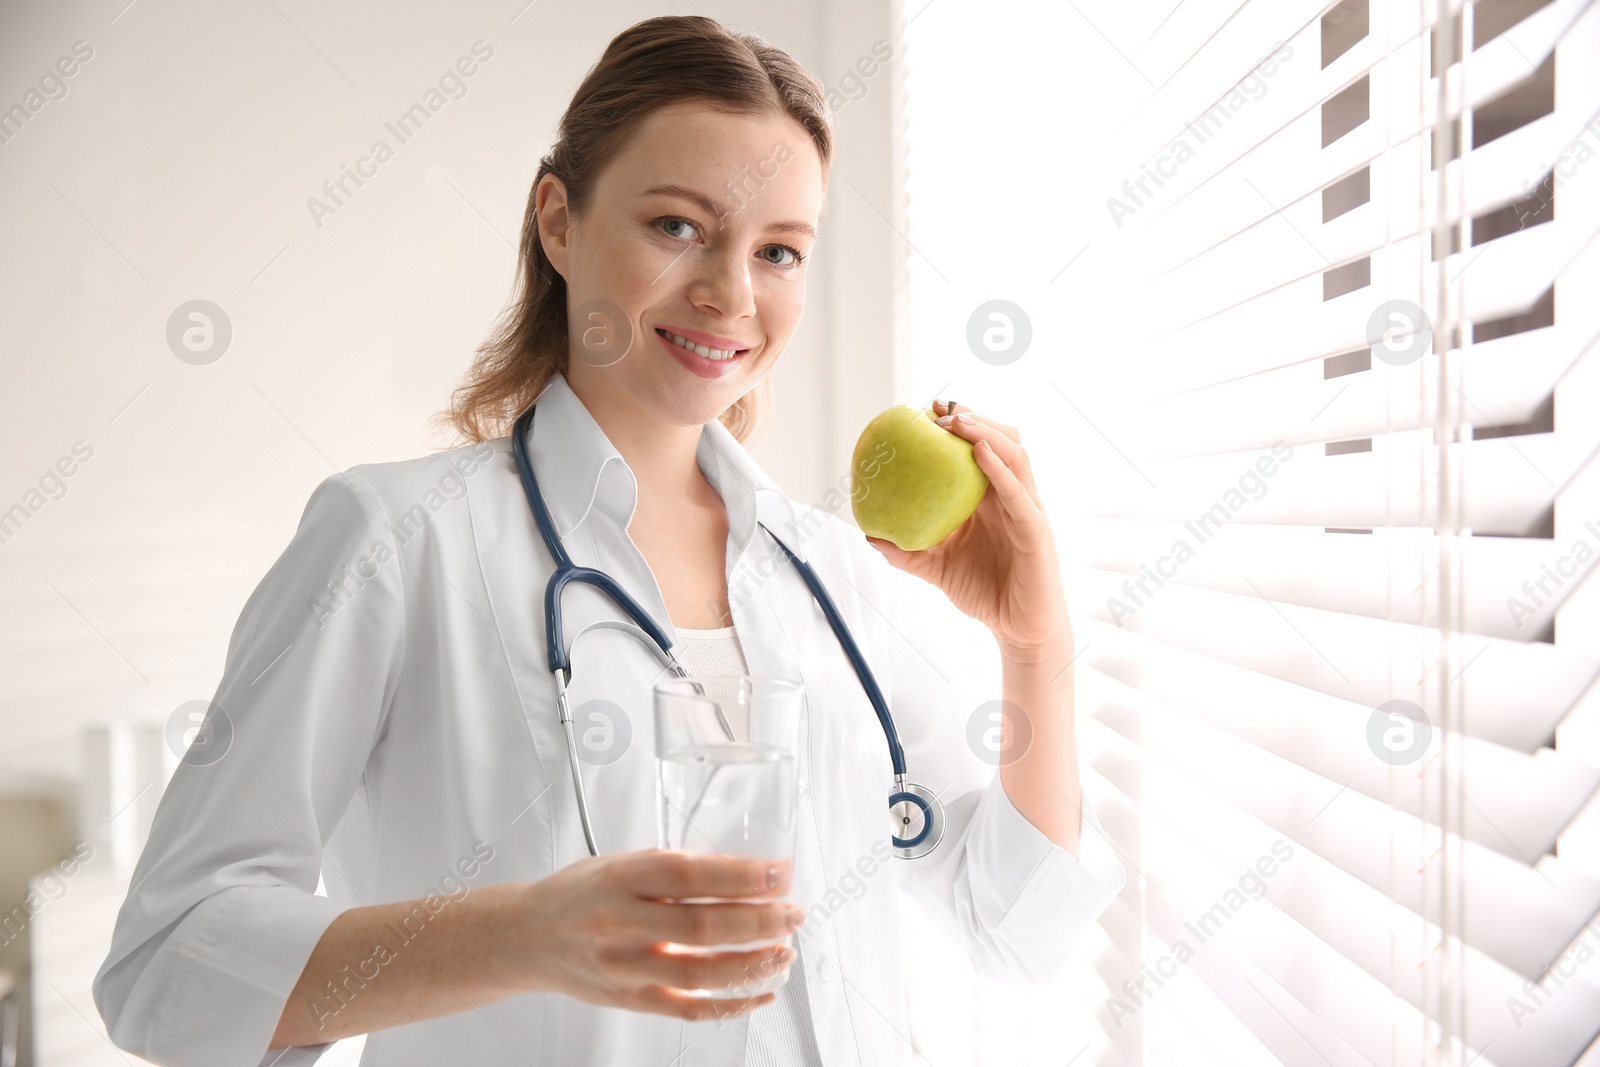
677 176
719 283
662 271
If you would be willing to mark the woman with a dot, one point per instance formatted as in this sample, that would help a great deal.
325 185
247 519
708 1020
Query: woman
393 723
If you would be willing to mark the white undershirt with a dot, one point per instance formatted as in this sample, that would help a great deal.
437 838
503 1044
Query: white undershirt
781 1033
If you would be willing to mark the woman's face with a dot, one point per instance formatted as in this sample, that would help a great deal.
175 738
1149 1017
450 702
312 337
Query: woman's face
700 229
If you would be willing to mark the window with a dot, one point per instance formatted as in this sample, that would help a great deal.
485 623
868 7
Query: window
1313 393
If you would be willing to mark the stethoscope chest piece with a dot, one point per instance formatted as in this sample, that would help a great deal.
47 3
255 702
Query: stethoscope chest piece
918 820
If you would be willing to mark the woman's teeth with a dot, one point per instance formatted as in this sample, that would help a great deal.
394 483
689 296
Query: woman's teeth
701 350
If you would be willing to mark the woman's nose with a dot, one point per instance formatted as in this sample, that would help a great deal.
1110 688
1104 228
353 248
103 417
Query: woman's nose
721 284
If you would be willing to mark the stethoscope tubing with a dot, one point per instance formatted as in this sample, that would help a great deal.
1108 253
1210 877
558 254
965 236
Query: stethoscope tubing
852 650
566 573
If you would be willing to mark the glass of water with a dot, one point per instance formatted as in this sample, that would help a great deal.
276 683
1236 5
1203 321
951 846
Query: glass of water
726 784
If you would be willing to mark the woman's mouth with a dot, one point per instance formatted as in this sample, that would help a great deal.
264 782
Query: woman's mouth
703 360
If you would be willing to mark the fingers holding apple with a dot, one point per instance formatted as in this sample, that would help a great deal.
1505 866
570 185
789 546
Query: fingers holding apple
1005 463
1003 440
949 407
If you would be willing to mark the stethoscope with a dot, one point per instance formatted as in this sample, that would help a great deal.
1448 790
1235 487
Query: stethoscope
909 799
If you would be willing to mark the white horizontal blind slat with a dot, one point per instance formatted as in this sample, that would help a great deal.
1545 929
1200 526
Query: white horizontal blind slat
1512 483
1349 573
1515 692
1508 382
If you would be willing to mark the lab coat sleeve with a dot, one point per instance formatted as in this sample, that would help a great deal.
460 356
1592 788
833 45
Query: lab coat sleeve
221 913
1018 902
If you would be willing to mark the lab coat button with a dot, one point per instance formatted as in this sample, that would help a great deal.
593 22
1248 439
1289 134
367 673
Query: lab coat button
829 969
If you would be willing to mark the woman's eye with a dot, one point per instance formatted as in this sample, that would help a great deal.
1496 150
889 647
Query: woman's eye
667 222
794 260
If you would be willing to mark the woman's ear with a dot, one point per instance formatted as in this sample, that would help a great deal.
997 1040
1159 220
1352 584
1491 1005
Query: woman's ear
554 220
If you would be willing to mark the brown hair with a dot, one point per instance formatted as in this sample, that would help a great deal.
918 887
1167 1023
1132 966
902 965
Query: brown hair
656 62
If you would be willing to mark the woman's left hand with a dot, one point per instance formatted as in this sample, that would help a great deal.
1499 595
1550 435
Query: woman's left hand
999 566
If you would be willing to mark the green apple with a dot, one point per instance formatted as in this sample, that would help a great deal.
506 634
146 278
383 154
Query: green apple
912 481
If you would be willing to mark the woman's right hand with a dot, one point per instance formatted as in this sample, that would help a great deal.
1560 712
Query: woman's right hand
596 930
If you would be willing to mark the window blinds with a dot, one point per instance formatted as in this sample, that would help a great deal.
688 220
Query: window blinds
1338 623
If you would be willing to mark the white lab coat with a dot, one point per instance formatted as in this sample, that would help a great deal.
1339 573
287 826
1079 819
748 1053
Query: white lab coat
394 731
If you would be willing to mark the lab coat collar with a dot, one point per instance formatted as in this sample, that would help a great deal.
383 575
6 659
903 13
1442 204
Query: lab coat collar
581 472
